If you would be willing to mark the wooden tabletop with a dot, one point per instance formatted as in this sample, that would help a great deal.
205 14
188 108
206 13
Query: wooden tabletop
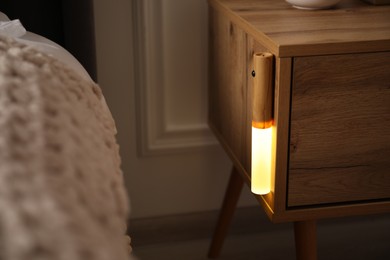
352 26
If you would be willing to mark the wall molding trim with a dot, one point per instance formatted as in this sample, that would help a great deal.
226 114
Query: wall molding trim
155 134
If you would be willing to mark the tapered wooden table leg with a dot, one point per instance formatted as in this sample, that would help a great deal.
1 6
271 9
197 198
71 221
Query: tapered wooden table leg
306 240
229 204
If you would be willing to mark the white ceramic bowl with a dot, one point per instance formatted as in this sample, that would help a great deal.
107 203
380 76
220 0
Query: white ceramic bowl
313 4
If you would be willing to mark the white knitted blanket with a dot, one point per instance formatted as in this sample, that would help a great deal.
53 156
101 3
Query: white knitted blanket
61 189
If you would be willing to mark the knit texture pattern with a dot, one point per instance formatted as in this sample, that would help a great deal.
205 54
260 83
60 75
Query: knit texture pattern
62 195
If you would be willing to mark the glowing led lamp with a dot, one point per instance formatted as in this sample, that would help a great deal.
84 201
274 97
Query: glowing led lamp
261 160
262 120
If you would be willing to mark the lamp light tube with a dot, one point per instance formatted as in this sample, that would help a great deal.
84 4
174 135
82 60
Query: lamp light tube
262 121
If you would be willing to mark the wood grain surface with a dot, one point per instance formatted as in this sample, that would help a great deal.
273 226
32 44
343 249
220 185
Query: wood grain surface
352 26
340 129
228 99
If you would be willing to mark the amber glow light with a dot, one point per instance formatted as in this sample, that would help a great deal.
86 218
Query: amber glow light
261 160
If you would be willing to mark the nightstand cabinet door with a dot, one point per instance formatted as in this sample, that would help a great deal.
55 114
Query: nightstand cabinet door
340 129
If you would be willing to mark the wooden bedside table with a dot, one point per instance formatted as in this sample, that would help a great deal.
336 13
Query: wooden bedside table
331 73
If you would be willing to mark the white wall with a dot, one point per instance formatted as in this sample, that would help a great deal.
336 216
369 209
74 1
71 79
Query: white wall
157 95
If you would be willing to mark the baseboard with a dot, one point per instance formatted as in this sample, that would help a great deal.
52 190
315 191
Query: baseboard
198 225
246 221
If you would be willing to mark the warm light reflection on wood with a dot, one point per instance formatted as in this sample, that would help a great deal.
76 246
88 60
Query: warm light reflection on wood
261 160
264 124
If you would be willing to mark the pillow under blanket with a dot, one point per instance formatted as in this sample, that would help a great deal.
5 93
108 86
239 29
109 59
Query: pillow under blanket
61 188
